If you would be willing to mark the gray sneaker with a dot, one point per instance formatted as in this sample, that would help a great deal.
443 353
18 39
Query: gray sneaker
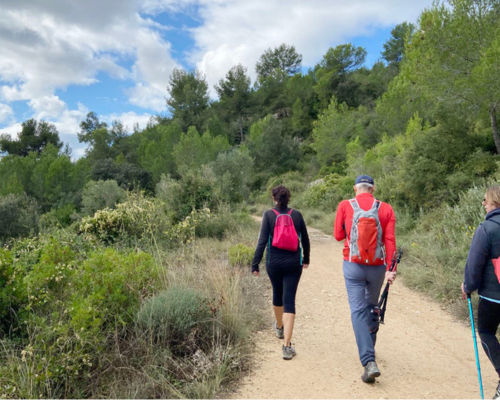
279 331
497 393
371 372
288 352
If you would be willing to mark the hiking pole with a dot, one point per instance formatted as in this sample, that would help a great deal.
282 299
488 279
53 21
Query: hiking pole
475 346
382 304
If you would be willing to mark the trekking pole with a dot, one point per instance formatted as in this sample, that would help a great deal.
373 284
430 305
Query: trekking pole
475 345
382 304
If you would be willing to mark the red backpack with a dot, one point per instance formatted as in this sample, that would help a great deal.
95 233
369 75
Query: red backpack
366 245
285 236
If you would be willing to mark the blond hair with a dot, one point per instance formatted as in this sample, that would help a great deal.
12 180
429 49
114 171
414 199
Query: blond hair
493 195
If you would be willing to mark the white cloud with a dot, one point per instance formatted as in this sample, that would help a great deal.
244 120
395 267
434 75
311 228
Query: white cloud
51 45
239 31
6 112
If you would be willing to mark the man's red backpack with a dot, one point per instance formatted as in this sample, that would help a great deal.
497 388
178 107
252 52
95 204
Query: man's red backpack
285 236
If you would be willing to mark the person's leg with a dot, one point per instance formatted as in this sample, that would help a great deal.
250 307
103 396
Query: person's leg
488 320
355 282
288 322
276 277
290 283
278 313
374 279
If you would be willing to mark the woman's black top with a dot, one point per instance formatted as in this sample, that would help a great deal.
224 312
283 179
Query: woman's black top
277 257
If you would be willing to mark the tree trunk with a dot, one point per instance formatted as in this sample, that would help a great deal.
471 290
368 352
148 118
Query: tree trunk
494 127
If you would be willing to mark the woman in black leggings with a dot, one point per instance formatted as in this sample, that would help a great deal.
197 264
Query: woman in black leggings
284 267
482 273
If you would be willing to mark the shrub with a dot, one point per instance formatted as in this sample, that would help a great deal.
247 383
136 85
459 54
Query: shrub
178 316
18 216
138 217
101 194
329 191
240 255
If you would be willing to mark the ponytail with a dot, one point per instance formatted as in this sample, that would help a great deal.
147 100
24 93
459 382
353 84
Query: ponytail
282 195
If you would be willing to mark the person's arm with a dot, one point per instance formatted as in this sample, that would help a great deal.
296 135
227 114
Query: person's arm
261 243
389 237
306 246
338 227
476 260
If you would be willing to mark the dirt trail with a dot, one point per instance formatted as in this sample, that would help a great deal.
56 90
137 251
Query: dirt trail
422 351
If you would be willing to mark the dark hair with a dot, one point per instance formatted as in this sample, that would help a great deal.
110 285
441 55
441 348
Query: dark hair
282 195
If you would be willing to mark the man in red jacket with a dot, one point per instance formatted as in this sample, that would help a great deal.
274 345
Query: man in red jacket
366 263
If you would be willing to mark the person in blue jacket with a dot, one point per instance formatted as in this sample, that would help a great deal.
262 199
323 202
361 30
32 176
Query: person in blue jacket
482 273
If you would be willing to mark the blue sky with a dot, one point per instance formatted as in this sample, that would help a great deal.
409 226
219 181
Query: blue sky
63 59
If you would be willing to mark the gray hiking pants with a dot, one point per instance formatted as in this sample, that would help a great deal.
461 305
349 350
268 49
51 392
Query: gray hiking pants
363 284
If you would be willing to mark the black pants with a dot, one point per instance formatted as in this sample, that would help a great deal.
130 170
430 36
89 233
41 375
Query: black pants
285 281
488 319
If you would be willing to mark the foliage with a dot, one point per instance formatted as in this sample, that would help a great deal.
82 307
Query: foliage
273 151
240 255
101 194
194 191
394 48
193 150
174 315
188 101
136 218
18 216
234 96
34 137
280 61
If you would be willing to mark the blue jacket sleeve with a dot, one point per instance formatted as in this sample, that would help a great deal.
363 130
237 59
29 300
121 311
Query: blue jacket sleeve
476 260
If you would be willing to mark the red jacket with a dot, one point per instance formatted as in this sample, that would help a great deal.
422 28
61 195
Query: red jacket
343 223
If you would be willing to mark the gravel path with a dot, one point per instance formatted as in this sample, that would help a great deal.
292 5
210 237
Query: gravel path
422 351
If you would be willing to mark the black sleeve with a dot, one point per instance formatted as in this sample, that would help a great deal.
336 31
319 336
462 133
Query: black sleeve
306 246
261 243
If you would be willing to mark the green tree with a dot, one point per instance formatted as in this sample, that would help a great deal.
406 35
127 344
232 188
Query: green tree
18 216
333 130
273 151
34 137
234 95
333 71
279 62
394 48
454 57
101 194
194 150
189 100
155 150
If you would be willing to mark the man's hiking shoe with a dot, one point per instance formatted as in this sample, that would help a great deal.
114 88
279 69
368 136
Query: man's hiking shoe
279 331
497 393
288 352
371 372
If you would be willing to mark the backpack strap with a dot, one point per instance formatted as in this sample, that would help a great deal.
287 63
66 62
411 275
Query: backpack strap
276 212
290 212
354 205
376 204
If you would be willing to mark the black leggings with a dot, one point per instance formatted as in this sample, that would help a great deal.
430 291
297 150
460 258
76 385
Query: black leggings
284 281
488 319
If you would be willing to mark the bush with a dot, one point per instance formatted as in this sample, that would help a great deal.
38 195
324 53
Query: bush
240 255
329 191
101 194
178 317
18 216
194 191
137 218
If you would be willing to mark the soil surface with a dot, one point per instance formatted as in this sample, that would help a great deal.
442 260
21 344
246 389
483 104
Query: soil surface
422 351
